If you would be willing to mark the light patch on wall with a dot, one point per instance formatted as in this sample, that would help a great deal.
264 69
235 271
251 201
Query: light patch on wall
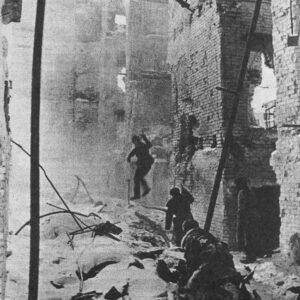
121 80
264 93
120 20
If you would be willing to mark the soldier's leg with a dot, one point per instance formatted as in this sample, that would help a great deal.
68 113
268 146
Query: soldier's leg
240 235
136 189
177 231
144 171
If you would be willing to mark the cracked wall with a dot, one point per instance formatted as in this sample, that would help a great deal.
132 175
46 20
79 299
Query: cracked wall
205 51
285 159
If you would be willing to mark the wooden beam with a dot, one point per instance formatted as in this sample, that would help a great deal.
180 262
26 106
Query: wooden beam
35 153
228 136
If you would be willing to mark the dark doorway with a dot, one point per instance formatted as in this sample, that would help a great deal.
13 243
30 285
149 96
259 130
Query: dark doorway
268 206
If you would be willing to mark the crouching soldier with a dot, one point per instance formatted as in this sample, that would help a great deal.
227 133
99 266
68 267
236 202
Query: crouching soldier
208 271
178 210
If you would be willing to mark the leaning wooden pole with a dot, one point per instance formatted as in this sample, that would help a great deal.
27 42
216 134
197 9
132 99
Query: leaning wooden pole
34 160
228 136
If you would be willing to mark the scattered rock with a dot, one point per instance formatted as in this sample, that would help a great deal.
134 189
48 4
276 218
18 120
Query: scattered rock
57 285
136 263
153 254
113 294
92 261
94 270
280 283
86 296
58 260
65 280
98 203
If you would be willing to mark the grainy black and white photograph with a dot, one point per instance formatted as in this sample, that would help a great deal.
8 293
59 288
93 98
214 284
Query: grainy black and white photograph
150 150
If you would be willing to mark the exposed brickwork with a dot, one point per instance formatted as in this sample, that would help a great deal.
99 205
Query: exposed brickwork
285 160
205 51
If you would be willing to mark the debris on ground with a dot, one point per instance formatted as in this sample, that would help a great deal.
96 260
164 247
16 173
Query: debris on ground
58 260
86 296
136 263
113 294
153 254
102 263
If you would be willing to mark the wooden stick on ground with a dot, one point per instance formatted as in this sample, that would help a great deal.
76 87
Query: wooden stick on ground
50 214
51 183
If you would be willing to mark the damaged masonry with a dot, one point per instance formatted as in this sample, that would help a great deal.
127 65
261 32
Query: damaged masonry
168 150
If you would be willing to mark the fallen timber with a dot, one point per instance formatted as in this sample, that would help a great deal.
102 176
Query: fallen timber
50 182
51 214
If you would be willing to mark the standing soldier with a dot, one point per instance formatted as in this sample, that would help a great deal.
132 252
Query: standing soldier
143 164
178 210
247 220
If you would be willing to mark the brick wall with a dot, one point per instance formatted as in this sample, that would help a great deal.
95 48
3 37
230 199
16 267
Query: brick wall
205 51
285 159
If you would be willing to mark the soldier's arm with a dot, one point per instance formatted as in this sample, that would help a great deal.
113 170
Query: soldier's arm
132 153
147 142
241 202
169 214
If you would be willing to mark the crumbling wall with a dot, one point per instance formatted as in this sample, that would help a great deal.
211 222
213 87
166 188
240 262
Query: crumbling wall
285 159
148 81
206 48
58 50
81 108
10 14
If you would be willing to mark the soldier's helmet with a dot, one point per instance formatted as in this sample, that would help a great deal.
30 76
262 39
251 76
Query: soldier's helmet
174 191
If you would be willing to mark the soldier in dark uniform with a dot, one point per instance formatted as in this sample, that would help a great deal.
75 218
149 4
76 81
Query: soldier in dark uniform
143 164
248 220
178 210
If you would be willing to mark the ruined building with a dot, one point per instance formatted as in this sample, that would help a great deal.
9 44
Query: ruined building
114 68
205 52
